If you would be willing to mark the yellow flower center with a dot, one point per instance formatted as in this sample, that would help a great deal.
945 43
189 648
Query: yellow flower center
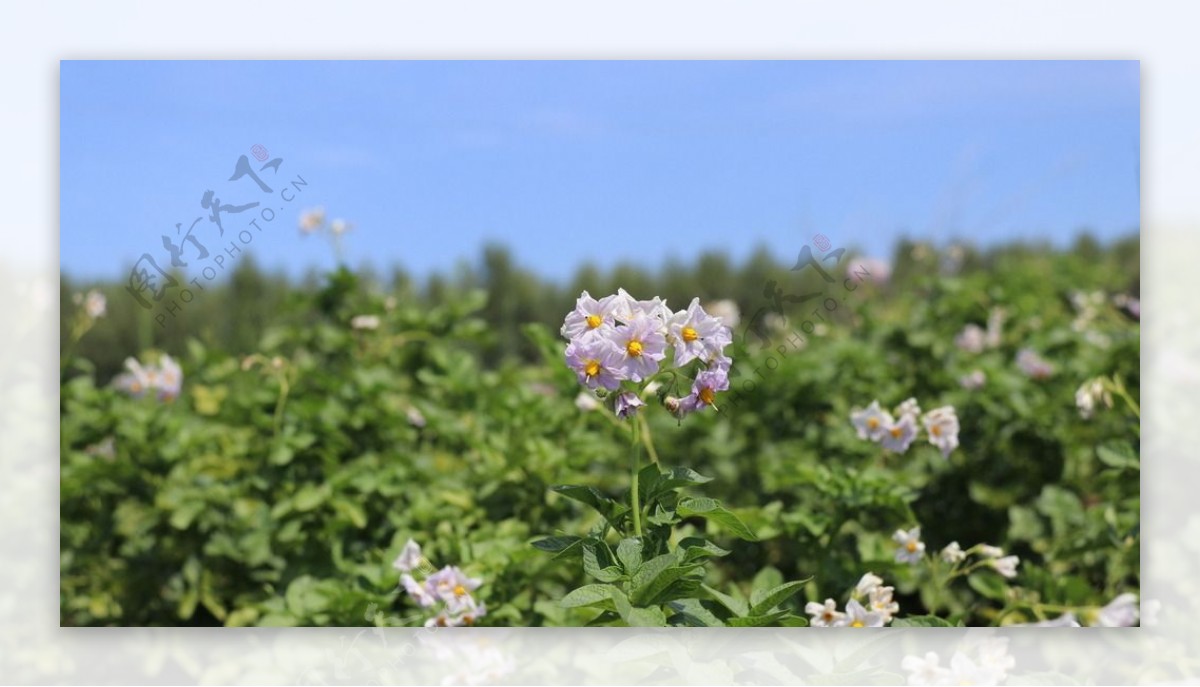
872 422
935 431
593 321
592 368
689 334
857 623
911 546
459 590
896 432
634 348
706 395
135 387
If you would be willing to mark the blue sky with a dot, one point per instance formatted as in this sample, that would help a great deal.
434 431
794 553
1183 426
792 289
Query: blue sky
568 162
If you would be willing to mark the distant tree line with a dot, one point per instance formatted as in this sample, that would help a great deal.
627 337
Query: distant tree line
233 315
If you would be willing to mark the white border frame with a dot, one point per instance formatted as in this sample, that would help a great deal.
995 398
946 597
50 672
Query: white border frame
35 36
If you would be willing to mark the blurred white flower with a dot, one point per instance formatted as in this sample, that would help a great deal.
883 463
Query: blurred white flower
409 558
586 402
417 591
1091 394
973 381
340 226
727 311
858 616
1120 612
941 424
967 672
415 418
136 381
365 322
971 339
899 435
871 423
95 304
926 671
867 583
881 602
995 324
824 615
1033 364
170 378
953 553
991 652
312 219
1006 565
909 407
989 551
872 270
910 548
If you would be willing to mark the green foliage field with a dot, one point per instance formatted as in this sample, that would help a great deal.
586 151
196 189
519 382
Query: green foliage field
303 453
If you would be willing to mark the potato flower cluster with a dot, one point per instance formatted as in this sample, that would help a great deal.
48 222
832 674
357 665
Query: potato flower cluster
618 344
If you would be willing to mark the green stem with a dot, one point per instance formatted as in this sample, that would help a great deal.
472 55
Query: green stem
1120 389
633 491
646 440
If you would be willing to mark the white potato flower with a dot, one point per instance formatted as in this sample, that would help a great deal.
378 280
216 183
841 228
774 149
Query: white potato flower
1006 565
871 422
910 548
858 616
409 558
899 435
95 304
1091 394
365 322
973 381
971 339
953 553
909 408
824 615
1120 612
941 426
926 671
881 602
867 583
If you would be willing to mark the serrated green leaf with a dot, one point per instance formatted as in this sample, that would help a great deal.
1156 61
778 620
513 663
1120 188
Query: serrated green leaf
353 512
562 546
763 600
756 620
598 563
590 496
711 509
629 553
696 548
736 606
1119 455
693 613
589 595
